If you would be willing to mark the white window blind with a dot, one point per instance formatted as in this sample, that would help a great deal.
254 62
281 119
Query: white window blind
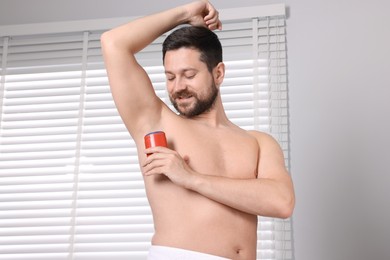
70 184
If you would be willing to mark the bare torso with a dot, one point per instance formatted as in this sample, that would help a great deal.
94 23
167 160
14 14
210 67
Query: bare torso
185 219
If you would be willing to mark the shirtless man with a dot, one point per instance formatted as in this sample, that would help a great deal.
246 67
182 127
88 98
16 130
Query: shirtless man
207 189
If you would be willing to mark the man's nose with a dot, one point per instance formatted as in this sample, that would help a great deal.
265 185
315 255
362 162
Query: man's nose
180 84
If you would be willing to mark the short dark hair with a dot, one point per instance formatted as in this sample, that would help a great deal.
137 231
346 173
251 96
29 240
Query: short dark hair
199 38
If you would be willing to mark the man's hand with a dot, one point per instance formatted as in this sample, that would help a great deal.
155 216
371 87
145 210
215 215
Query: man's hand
202 13
168 162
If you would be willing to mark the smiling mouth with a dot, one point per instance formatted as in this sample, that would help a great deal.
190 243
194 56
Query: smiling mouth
184 97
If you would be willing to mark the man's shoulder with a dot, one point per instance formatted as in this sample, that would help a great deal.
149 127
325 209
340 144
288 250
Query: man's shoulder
257 134
261 136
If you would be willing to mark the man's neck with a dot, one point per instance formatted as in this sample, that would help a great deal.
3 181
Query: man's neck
215 117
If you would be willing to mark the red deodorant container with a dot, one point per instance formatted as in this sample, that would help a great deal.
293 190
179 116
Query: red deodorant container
154 139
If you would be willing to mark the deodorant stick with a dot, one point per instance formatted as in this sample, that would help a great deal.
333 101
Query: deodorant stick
154 139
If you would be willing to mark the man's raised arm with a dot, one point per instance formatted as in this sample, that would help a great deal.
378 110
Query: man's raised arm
131 87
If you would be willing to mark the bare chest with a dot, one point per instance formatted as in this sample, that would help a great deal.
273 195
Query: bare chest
221 153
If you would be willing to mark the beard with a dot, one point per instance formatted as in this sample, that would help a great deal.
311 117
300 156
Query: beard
199 106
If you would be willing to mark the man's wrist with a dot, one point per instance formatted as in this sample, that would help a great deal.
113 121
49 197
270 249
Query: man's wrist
195 180
183 14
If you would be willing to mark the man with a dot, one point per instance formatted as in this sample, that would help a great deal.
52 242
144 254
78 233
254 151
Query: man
207 188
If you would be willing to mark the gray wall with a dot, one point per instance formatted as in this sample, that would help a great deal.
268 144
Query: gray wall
339 67
339 86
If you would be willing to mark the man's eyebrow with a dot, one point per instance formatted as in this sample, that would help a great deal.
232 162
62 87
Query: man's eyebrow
182 70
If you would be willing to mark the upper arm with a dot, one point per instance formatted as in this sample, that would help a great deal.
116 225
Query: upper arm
131 88
272 170
271 163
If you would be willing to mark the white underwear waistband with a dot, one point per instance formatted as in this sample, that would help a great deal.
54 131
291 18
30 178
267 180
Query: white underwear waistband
170 253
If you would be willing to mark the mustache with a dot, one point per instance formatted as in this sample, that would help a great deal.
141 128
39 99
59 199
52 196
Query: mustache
185 93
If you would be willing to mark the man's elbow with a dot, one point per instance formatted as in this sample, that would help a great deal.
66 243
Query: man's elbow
106 39
282 208
286 208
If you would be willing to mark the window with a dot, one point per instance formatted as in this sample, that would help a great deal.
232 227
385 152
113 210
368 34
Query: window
70 184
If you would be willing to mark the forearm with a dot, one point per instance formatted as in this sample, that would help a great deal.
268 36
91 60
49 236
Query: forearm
263 197
137 34
272 197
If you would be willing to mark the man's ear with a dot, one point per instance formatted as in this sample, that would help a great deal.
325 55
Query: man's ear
219 73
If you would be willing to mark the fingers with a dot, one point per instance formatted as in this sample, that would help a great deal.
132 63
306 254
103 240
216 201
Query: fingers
165 161
215 26
212 18
154 167
203 13
156 161
157 149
